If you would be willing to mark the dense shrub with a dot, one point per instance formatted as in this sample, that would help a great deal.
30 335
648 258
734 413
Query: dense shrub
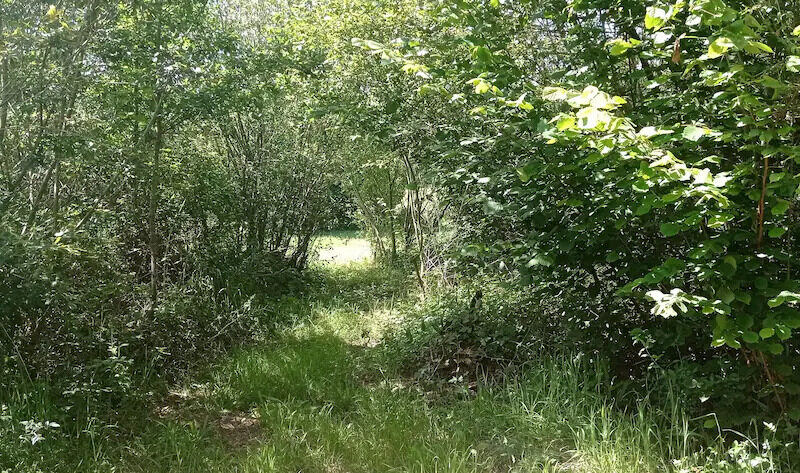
156 195
633 164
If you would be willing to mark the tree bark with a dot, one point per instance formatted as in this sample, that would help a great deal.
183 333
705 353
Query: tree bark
3 103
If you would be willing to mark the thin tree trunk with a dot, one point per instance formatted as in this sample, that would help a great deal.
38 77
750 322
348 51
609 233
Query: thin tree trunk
155 182
37 198
760 216
380 250
56 197
3 104
416 216
392 178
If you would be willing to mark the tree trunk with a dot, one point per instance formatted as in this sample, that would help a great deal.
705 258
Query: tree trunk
155 182
392 178
415 208
4 107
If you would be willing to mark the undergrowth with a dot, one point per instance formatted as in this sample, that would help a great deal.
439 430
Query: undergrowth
352 386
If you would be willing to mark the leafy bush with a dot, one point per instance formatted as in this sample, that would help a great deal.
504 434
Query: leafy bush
634 165
462 333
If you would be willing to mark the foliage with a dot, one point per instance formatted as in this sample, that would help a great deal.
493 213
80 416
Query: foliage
321 396
647 182
616 178
155 195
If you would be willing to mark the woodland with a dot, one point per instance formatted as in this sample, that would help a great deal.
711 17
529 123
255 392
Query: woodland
423 236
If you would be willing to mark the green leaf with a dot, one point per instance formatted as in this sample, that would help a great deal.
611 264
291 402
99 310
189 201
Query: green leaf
784 333
482 87
783 297
719 47
793 64
776 232
540 260
731 261
750 337
591 118
656 17
694 133
732 342
726 295
761 283
780 207
670 229
620 46
727 269
796 31
554 94
572 202
771 82
565 122
760 47
791 319
640 185
527 171
367 44
775 348
482 54
766 332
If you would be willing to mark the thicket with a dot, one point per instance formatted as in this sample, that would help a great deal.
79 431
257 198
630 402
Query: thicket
628 167
155 194
633 164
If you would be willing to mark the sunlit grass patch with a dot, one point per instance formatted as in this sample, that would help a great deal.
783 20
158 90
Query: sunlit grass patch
342 247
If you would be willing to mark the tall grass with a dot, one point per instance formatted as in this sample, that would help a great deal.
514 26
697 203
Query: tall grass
552 416
326 400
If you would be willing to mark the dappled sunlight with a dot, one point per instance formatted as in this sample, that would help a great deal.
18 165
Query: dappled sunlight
325 397
369 236
328 395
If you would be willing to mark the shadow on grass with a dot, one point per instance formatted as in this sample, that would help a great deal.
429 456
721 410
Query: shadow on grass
325 404
318 370
317 416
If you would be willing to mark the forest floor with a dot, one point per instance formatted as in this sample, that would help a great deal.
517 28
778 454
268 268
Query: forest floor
324 397
332 393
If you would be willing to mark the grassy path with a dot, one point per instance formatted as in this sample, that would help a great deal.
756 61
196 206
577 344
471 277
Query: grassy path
325 397
328 395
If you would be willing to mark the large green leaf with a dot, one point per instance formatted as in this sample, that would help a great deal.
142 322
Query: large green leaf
670 229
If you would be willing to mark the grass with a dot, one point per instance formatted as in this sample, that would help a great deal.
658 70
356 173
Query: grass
342 247
323 396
